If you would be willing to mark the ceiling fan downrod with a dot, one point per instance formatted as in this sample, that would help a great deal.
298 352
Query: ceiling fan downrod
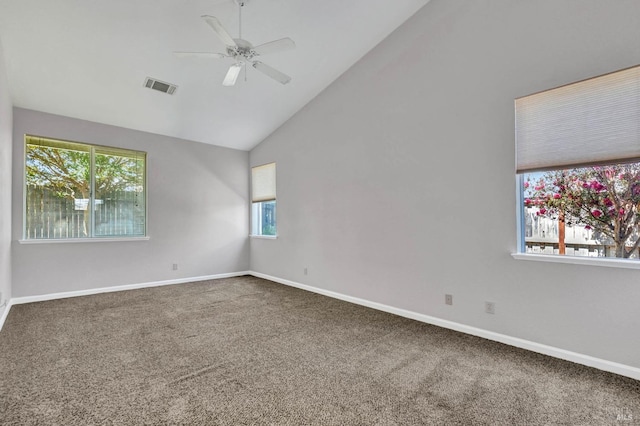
241 5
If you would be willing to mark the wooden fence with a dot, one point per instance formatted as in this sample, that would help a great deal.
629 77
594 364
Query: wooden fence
117 214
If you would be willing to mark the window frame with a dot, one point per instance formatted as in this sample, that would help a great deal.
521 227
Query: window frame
607 243
92 238
259 204
616 156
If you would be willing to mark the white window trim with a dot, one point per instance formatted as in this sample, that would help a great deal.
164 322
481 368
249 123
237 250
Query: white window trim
263 237
611 262
83 240
263 190
24 240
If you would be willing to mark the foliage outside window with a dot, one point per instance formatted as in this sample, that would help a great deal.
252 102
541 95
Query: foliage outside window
263 200
577 155
589 211
75 190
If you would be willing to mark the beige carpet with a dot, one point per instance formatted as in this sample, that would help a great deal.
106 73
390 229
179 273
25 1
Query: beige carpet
244 351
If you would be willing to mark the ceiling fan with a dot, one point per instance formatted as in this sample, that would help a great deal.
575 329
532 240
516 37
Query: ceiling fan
242 51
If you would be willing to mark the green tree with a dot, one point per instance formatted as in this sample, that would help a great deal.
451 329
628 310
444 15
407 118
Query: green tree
603 198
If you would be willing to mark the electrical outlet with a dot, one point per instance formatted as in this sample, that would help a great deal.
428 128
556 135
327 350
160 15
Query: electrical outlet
175 266
490 307
305 271
448 299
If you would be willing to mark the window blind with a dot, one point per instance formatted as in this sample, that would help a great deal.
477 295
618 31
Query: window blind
263 183
594 121
57 144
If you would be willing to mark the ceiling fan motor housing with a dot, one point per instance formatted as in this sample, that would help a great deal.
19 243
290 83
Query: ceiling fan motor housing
243 49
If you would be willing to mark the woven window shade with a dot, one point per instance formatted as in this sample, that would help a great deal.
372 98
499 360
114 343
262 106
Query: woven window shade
590 122
263 183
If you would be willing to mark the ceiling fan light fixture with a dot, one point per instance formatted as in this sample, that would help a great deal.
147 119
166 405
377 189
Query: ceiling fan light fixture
232 74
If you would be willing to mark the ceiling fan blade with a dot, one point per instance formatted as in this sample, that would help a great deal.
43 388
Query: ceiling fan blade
275 46
272 72
232 74
220 30
199 55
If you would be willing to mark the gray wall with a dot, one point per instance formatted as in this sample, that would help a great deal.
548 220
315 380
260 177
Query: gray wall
396 184
6 125
197 214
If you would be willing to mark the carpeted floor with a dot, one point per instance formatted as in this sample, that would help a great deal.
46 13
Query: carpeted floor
243 351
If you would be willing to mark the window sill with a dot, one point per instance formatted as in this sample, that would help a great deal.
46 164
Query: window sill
577 260
83 240
264 237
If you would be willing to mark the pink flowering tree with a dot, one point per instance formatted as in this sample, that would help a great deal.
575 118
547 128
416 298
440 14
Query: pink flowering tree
603 198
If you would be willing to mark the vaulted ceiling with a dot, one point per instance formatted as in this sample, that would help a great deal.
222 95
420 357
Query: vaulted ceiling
88 59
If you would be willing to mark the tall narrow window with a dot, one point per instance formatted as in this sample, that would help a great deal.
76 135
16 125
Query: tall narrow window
578 161
75 190
263 200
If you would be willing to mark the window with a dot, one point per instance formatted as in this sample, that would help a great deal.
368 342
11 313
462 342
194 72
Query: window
263 200
578 165
75 190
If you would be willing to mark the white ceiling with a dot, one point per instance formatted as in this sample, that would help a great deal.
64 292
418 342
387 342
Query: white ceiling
88 59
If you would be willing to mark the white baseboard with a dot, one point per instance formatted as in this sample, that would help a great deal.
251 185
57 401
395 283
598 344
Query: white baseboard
63 295
5 313
600 364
